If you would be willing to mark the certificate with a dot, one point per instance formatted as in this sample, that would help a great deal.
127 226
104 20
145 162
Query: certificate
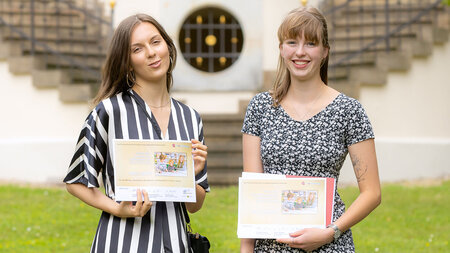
272 206
165 169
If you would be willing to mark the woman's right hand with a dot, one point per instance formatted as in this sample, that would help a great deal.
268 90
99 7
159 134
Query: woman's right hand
126 209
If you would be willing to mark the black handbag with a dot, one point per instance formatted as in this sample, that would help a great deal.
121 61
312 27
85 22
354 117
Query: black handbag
198 243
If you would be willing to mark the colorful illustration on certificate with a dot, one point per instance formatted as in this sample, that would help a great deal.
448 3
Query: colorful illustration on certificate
299 202
170 164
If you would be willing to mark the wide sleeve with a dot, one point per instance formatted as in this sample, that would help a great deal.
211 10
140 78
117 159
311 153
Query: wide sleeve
359 127
253 116
202 177
90 151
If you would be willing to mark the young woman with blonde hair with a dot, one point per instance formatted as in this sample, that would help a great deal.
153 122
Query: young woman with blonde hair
304 127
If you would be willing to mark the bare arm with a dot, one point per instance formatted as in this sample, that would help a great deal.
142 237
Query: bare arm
95 198
252 163
365 166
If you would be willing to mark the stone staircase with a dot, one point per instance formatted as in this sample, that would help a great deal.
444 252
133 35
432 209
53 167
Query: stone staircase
81 40
69 46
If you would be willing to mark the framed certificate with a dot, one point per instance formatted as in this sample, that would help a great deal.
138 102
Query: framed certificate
165 169
272 206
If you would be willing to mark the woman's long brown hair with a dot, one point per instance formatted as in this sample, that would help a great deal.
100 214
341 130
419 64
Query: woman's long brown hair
312 24
117 65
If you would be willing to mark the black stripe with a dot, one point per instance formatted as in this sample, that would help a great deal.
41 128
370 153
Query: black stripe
165 228
158 227
181 227
144 123
127 235
131 117
102 233
171 128
95 238
117 119
114 234
144 234
110 172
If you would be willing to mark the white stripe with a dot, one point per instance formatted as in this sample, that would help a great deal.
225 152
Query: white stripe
175 121
202 178
90 130
76 178
123 222
108 233
136 234
171 217
194 124
85 140
123 116
111 136
183 117
138 121
149 123
151 234
100 127
99 155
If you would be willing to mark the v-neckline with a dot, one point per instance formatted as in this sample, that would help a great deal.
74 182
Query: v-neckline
165 135
312 117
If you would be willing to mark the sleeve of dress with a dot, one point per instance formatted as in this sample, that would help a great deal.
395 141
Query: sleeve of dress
90 151
202 177
359 127
252 120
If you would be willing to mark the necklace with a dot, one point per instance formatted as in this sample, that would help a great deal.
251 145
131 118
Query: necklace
161 106
309 107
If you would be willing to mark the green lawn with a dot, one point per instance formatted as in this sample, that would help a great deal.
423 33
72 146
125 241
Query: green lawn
410 219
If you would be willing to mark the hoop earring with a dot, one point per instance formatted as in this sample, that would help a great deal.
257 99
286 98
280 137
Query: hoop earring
132 81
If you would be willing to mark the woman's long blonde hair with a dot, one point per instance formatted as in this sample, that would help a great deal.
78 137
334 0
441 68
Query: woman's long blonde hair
312 24
116 74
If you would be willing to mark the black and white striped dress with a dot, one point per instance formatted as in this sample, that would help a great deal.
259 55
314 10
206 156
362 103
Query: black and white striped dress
162 229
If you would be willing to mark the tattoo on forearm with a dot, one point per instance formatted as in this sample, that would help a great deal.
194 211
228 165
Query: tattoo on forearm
360 169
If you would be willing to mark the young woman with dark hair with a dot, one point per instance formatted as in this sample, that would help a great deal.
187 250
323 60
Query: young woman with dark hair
134 103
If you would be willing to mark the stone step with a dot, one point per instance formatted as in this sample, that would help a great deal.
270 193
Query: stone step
379 20
91 33
348 87
75 93
380 7
68 48
369 76
49 78
367 34
47 21
217 145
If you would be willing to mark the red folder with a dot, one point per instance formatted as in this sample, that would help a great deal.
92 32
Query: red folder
331 184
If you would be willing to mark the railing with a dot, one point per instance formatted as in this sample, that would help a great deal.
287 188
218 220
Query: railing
379 26
63 34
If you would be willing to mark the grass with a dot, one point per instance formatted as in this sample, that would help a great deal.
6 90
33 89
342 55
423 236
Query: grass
410 219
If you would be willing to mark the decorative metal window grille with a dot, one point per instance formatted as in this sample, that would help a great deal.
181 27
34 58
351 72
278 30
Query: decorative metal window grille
211 39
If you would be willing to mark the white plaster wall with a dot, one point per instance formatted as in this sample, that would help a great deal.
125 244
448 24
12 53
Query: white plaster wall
415 103
38 133
411 120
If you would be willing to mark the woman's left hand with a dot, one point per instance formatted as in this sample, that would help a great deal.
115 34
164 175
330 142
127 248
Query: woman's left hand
309 239
199 152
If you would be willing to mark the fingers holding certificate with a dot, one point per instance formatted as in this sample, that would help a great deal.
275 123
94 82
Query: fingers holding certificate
199 152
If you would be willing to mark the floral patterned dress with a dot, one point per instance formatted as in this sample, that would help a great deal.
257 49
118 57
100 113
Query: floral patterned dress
314 147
